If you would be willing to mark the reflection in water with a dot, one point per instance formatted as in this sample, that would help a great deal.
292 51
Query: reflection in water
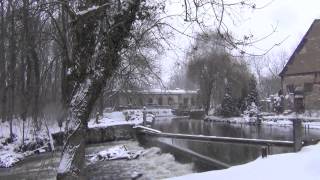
232 154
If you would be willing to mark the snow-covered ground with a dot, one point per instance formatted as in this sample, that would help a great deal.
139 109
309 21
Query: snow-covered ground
11 153
117 118
134 116
293 166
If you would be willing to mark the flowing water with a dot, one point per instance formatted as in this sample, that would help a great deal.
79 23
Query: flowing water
151 165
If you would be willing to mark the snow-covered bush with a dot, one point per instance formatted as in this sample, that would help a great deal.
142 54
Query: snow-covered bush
116 152
252 110
278 104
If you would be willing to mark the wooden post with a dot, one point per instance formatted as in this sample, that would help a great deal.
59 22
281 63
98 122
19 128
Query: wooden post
144 116
297 134
264 152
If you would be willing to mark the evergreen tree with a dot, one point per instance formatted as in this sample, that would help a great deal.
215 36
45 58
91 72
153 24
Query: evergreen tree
253 96
229 106
242 101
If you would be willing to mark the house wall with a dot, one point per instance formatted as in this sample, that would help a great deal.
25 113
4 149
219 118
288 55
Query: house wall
172 100
311 99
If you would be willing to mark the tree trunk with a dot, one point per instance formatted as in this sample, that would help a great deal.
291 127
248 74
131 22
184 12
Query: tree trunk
101 104
3 72
88 84
12 64
78 115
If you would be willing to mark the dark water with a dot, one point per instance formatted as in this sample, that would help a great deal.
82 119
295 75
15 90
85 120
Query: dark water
232 154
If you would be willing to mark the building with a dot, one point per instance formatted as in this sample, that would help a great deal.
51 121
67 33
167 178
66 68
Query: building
302 72
175 99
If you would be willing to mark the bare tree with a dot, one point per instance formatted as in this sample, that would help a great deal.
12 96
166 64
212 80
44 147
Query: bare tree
12 59
3 66
267 69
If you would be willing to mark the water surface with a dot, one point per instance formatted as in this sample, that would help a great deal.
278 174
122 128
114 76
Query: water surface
232 154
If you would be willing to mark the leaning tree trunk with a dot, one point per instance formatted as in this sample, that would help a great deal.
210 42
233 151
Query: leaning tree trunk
93 64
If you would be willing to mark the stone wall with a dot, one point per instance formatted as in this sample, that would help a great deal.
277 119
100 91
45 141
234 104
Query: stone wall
172 100
102 134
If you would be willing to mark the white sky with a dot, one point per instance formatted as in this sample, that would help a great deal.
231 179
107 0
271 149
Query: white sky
291 17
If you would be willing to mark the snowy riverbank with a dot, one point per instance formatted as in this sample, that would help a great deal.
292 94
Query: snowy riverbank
293 166
12 153
34 143
273 120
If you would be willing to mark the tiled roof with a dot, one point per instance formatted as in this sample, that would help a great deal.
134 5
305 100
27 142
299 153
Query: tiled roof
306 57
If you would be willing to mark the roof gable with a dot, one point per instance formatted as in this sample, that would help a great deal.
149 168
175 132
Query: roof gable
306 57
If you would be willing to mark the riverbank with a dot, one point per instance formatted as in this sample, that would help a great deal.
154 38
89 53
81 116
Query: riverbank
308 120
293 166
36 142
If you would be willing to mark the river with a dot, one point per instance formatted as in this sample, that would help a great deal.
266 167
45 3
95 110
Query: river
157 165
232 154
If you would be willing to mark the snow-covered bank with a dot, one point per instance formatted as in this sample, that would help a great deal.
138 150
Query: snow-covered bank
133 117
117 118
293 166
13 152
274 120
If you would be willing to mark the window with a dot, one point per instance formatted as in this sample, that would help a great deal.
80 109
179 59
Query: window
290 88
192 102
160 101
150 101
141 101
170 101
308 87
185 101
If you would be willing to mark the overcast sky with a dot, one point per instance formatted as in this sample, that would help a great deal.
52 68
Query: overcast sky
291 17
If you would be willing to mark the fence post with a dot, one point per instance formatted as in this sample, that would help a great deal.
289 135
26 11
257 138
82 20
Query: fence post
297 134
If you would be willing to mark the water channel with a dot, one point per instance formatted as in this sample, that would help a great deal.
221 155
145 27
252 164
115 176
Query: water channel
232 154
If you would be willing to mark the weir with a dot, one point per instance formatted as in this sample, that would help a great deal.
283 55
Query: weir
262 142
295 144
